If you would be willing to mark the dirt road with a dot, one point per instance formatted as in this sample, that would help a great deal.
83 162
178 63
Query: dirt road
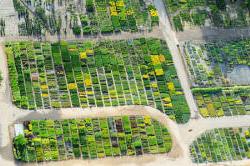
207 34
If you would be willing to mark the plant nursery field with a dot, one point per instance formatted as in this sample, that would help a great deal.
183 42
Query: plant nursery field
218 13
85 17
224 144
220 101
52 140
95 74
219 63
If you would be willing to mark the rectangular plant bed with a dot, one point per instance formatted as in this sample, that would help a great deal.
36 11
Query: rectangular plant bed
95 74
52 140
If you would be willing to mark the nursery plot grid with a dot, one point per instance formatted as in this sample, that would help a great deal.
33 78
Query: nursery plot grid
223 144
88 74
220 101
52 140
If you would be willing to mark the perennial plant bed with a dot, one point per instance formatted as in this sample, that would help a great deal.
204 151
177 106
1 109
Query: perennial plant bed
95 74
220 101
90 138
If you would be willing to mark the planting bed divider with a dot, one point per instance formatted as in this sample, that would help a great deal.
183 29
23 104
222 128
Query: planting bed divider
220 101
52 140
223 144
96 74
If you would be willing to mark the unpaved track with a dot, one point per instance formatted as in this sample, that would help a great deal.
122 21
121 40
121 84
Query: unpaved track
208 34
172 42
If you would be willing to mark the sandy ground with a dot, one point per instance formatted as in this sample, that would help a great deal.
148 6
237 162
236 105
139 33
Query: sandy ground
208 33
5 114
